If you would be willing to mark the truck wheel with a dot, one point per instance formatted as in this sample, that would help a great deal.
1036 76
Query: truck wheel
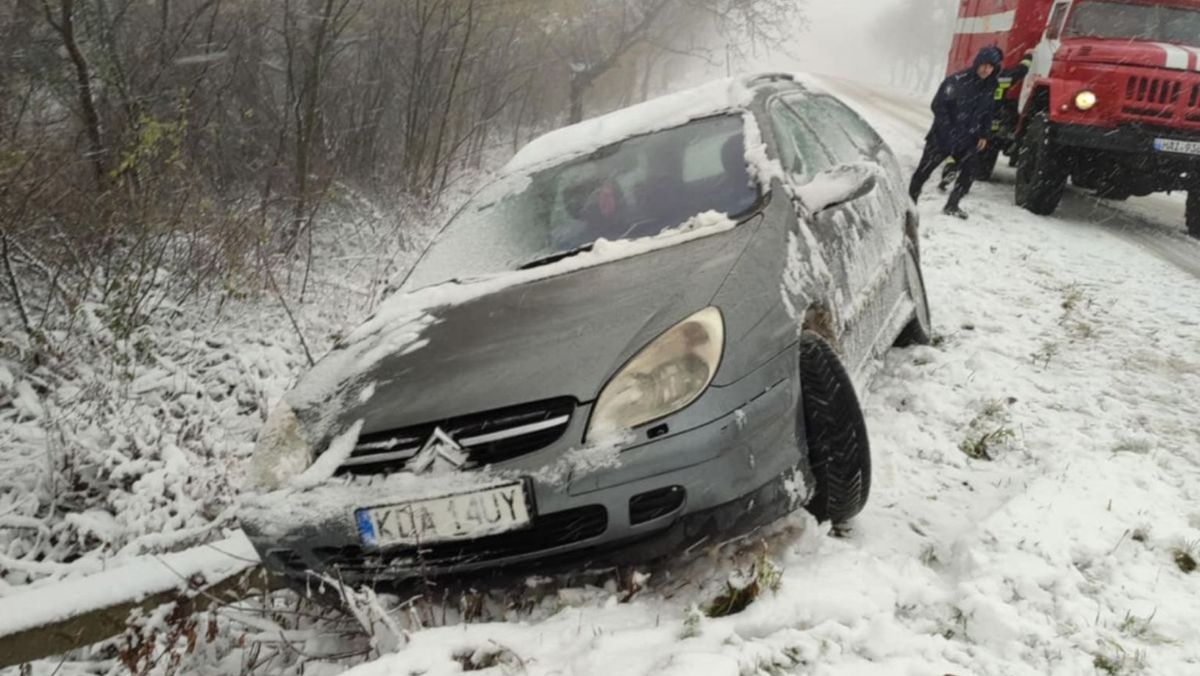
987 164
839 452
1041 178
1193 213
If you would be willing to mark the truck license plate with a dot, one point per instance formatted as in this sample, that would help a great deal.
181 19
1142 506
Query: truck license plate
454 517
1168 145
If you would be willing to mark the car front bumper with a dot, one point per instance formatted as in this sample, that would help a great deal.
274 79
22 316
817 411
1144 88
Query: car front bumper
640 509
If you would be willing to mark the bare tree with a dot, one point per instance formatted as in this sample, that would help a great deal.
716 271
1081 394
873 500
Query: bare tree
601 34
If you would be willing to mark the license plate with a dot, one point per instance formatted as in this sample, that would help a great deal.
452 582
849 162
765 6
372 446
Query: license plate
1167 145
465 516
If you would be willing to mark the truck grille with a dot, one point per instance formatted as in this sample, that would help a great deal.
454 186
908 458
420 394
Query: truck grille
487 437
1153 90
1162 101
548 532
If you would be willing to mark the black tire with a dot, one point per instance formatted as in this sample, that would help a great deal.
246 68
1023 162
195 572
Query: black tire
1193 213
835 432
987 163
1041 178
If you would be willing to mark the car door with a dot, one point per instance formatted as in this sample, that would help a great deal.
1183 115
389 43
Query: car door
1043 53
820 276
878 262
854 245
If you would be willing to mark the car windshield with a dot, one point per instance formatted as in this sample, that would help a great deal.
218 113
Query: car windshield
632 189
1127 21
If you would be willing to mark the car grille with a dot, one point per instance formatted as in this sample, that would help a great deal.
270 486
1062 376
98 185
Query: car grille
487 437
548 532
649 506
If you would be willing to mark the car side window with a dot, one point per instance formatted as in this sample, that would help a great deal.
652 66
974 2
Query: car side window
1057 18
861 134
830 126
799 150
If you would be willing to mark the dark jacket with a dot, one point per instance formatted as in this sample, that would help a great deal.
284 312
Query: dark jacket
965 105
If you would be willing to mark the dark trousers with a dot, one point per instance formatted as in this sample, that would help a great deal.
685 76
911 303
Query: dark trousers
933 157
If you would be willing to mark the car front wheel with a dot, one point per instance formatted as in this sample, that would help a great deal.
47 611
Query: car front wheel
835 433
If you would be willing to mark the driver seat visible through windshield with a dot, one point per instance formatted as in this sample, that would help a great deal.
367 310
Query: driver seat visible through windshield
657 182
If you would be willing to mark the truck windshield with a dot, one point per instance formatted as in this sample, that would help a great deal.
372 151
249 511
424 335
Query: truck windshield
1128 21
632 189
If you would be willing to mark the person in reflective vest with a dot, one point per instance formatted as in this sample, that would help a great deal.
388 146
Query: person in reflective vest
1008 78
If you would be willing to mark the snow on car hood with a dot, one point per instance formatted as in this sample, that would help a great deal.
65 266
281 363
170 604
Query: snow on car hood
513 337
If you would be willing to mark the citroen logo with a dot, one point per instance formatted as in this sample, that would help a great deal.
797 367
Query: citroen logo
440 453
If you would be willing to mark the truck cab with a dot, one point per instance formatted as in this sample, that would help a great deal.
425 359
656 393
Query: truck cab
1111 101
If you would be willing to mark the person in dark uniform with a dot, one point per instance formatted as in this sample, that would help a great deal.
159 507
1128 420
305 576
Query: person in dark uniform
1008 78
963 110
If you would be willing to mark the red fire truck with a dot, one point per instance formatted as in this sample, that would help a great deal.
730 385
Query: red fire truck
1112 101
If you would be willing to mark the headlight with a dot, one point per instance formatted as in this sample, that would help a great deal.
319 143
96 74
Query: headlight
667 375
1085 100
282 451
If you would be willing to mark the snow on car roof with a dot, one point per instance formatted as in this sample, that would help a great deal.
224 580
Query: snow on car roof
664 112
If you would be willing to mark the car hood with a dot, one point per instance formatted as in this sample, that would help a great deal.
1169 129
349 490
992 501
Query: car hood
1125 53
496 342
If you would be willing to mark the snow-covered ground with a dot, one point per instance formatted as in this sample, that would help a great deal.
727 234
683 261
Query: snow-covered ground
1036 495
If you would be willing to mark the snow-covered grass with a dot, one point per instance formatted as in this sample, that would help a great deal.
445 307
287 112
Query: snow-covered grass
120 446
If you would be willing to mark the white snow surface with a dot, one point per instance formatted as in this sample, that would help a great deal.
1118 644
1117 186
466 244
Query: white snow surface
133 581
1054 557
657 114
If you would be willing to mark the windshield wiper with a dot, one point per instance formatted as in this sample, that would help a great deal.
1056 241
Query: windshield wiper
555 257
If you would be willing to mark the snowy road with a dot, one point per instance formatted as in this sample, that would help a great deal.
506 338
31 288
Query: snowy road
1037 490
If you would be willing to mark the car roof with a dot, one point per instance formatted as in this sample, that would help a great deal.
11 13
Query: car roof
714 98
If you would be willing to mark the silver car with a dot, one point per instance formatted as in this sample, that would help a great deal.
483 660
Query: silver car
645 333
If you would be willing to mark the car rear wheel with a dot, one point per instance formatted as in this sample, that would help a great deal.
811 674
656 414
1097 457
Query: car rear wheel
1193 213
1041 178
839 452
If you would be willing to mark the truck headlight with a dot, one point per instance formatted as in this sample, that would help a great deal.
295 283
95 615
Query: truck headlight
282 452
666 376
1085 100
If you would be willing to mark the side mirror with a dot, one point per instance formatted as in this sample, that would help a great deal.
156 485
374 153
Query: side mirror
837 186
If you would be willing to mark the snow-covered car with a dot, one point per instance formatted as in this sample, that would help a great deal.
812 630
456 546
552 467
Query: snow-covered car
646 332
